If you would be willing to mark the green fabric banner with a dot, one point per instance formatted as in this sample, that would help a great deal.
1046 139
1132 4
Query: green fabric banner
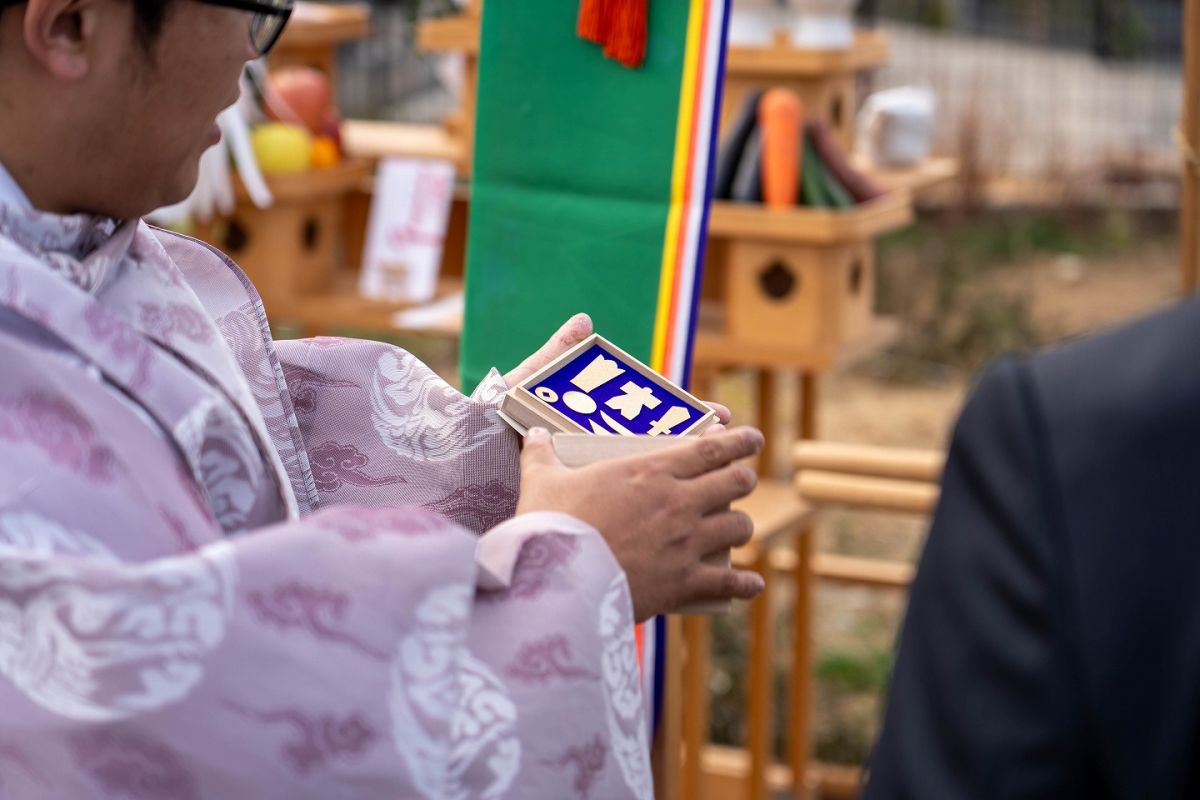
572 185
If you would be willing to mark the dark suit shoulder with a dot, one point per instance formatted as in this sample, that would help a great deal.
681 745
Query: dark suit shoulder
1118 416
1140 374
1052 642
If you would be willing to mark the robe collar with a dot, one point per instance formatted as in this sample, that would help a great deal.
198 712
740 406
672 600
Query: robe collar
10 192
126 281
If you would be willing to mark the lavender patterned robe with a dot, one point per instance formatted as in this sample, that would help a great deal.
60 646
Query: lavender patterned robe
234 568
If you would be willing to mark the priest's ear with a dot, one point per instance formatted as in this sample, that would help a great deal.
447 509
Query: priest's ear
63 35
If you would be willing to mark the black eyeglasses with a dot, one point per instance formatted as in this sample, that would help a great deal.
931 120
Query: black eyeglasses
267 24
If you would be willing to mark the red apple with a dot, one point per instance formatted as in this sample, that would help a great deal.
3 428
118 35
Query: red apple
305 92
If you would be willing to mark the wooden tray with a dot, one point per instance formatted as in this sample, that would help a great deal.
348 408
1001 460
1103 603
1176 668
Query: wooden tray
325 24
460 33
802 225
339 179
870 51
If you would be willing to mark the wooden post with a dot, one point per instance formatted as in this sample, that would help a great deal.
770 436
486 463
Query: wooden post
800 700
697 633
1189 234
760 704
664 757
808 405
768 410
697 638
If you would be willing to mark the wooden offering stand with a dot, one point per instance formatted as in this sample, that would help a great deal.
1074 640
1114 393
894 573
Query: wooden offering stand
291 250
303 252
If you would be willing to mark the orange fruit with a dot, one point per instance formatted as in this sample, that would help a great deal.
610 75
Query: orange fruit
324 153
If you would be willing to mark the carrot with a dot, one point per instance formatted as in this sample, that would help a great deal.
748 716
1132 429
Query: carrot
780 120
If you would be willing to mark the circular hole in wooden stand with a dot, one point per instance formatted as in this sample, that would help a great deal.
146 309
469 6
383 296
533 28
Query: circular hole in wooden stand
778 281
311 234
856 276
236 238
837 110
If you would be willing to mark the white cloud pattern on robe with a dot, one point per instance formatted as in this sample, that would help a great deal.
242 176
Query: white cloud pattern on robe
623 690
422 417
448 707
97 646
224 459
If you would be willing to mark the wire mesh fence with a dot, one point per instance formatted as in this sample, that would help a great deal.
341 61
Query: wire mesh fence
385 77
1057 94
1131 30
1073 93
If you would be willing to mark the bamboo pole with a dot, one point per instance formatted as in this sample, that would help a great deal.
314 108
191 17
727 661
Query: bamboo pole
1189 238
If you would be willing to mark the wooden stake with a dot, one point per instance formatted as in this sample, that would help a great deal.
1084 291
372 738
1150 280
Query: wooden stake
664 756
799 736
800 701
760 705
697 632
768 411
1189 238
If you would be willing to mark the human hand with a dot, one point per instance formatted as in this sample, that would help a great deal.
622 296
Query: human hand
662 513
723 417
573 331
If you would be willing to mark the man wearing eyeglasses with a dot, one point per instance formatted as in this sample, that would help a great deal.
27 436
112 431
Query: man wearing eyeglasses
238 568
129 99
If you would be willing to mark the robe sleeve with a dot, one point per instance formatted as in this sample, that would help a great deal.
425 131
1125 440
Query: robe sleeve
358 652
381 428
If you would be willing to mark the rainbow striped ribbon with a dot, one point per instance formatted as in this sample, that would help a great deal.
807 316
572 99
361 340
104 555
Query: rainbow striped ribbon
591 189
684 247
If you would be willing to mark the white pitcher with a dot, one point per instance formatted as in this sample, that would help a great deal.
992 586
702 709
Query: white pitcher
821 24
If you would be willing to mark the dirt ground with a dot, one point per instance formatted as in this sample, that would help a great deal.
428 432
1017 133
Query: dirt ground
1067 296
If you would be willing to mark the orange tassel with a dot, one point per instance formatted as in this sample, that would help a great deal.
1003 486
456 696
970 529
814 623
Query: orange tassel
595 20
626 40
